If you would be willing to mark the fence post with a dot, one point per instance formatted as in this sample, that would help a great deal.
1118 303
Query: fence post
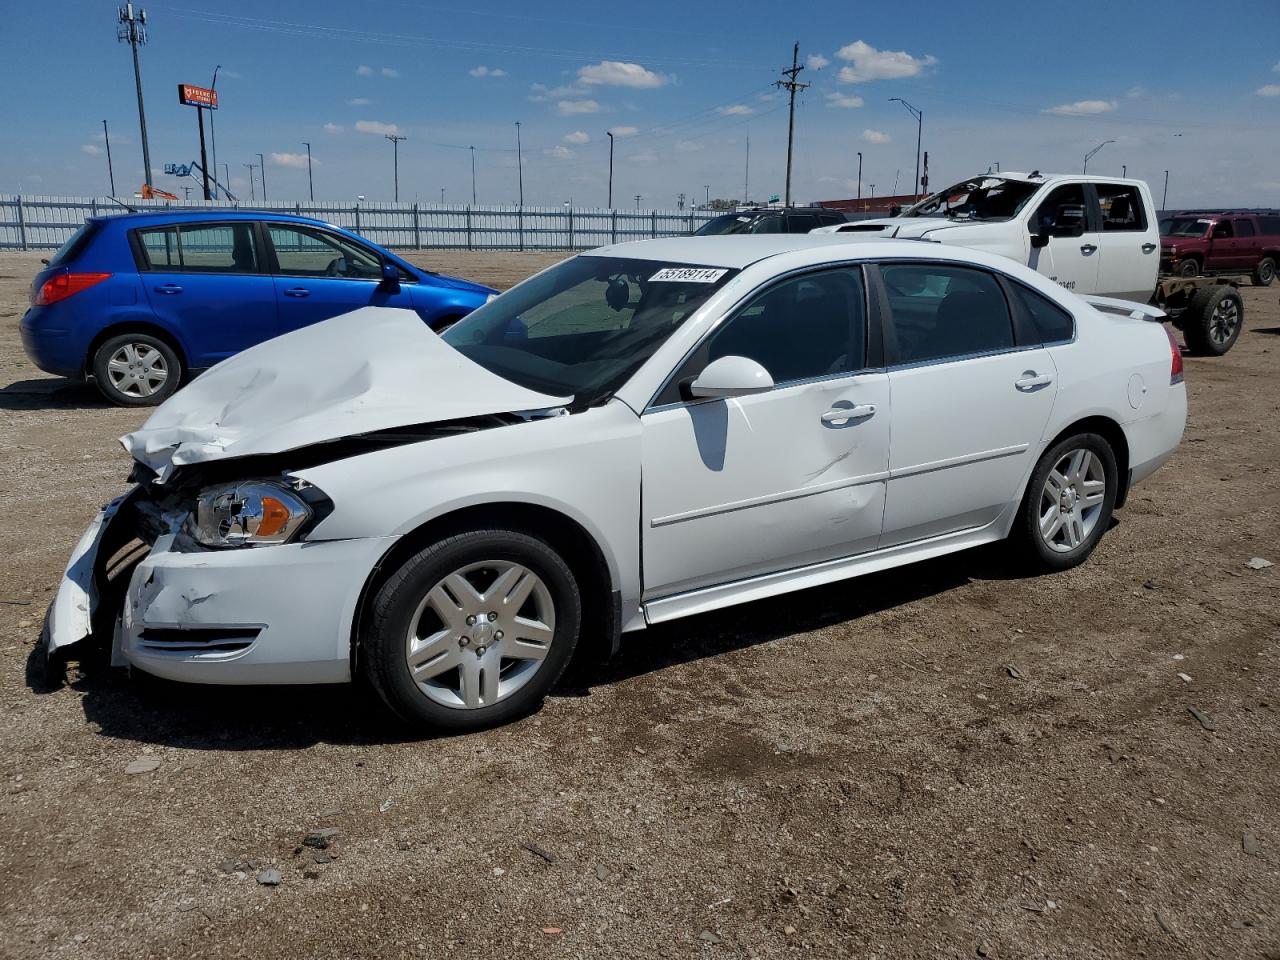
297 209
570 228
22 223
653 223
357 208
613 229
93 206
520 226
417 235
469 226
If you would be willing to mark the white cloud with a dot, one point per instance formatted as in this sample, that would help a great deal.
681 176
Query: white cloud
868 63
290 159
378 127
483 71
578 136
570 107
1137 90
333 128
624 131
364 71
559 152
390 72
1276 68
688 146
91 149
846 100
737 110
875 136
1082 108
359 102
615 73
1270 90
816 61
645 157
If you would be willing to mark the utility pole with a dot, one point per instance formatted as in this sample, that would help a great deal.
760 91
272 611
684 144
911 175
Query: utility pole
213 140
262 172
186 194
707 187
133 31
520 164
919 115
1124 169
395 139
792 87
253 197
473 176
1164 200
1089 156
859 174
609 133
110 172
311 187
746 174
680 201
637 201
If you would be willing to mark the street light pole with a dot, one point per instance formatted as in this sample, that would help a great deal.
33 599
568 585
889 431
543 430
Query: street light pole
609 133
262 171
1164 200
395 139
859 174
311 187
473 176
1088 156
213 140
919 115
520 164
253 197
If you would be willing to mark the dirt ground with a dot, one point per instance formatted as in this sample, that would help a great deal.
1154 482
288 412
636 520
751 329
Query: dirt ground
946 761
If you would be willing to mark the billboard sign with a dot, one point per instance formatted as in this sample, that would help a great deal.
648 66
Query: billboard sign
192 96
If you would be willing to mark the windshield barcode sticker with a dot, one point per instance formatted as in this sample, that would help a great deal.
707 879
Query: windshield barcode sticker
688 275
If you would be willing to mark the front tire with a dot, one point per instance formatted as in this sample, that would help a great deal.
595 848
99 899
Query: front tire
1264 272
136 370
472 631
1189 268
1068 504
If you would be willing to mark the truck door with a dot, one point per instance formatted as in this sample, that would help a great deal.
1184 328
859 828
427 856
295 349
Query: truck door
1248 247
1069 257
1220 252
1129 244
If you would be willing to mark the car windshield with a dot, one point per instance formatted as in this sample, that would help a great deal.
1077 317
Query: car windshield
982 198
586 325
729 223
1185 227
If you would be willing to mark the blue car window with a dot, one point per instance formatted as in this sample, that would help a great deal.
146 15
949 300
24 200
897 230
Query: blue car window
201 248
305 252
160 247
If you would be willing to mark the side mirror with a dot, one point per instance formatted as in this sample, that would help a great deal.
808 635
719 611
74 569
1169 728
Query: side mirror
731 377
1039 240
390 275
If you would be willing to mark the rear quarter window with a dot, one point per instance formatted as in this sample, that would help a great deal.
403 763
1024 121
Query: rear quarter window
1054 324
1270 225
76 244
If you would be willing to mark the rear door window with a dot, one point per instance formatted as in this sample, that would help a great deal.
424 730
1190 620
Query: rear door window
200 248
1270 225
1244 228
801 222
945 312
1121 207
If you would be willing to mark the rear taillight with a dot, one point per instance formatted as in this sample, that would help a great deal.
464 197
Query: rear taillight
63 285
1175 369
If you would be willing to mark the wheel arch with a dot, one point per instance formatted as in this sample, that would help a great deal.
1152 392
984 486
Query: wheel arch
601 604
138 326
1111 431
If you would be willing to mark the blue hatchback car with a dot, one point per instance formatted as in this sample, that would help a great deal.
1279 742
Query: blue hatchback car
142 302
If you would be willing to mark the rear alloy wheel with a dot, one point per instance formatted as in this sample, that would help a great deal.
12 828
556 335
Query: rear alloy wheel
136 370
473 630
1068 502
1264 272
1213 321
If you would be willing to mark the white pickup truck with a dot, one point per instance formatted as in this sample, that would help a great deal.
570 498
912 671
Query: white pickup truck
1093 235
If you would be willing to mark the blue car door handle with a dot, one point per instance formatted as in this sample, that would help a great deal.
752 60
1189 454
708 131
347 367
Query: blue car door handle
297 292
168 288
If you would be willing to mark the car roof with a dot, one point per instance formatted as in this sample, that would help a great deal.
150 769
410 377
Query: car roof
170 215
736 251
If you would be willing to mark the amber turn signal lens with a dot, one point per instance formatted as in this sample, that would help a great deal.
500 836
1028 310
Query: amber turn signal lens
274 517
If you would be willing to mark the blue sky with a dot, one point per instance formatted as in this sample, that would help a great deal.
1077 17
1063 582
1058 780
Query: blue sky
682 85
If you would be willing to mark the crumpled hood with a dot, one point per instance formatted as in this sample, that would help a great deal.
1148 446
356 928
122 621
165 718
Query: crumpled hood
372 369
913 227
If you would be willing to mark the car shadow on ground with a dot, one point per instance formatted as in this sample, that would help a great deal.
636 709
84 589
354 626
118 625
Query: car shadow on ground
152 711
45 393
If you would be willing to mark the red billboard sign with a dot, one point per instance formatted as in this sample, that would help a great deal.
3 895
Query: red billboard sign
192 96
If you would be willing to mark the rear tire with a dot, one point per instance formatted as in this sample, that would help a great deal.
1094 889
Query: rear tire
1264 272
472 631
136 370
1212 323
1068 503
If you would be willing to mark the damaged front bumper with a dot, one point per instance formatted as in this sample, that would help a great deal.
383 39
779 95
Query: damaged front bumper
273 614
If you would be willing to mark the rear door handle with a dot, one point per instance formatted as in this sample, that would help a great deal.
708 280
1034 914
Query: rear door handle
297 292
1088 248
1148 247
169 288
845 414
1030 380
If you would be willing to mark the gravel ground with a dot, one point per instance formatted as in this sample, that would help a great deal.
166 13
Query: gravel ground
951 760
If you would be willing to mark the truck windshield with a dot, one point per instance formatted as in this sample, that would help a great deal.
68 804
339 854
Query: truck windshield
1185 227
586 325
982 198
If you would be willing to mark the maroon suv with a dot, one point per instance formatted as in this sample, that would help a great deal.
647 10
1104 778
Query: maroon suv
1212 243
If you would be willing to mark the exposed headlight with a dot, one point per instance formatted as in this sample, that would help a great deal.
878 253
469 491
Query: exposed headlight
249 513
1171 251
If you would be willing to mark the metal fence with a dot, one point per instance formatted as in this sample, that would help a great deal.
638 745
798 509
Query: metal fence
41 223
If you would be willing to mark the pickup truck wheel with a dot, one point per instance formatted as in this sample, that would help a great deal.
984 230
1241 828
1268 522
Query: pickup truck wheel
472 631
1212 322
1264 272
1189 267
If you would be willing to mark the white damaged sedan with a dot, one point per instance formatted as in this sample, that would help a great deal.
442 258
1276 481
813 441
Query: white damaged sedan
640 433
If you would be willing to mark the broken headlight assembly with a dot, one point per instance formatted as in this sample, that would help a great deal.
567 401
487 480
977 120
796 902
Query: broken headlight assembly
250 513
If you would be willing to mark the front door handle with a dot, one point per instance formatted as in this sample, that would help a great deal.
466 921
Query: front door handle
1088 248
1030 380
297 292
838 415
1148 247
169 288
